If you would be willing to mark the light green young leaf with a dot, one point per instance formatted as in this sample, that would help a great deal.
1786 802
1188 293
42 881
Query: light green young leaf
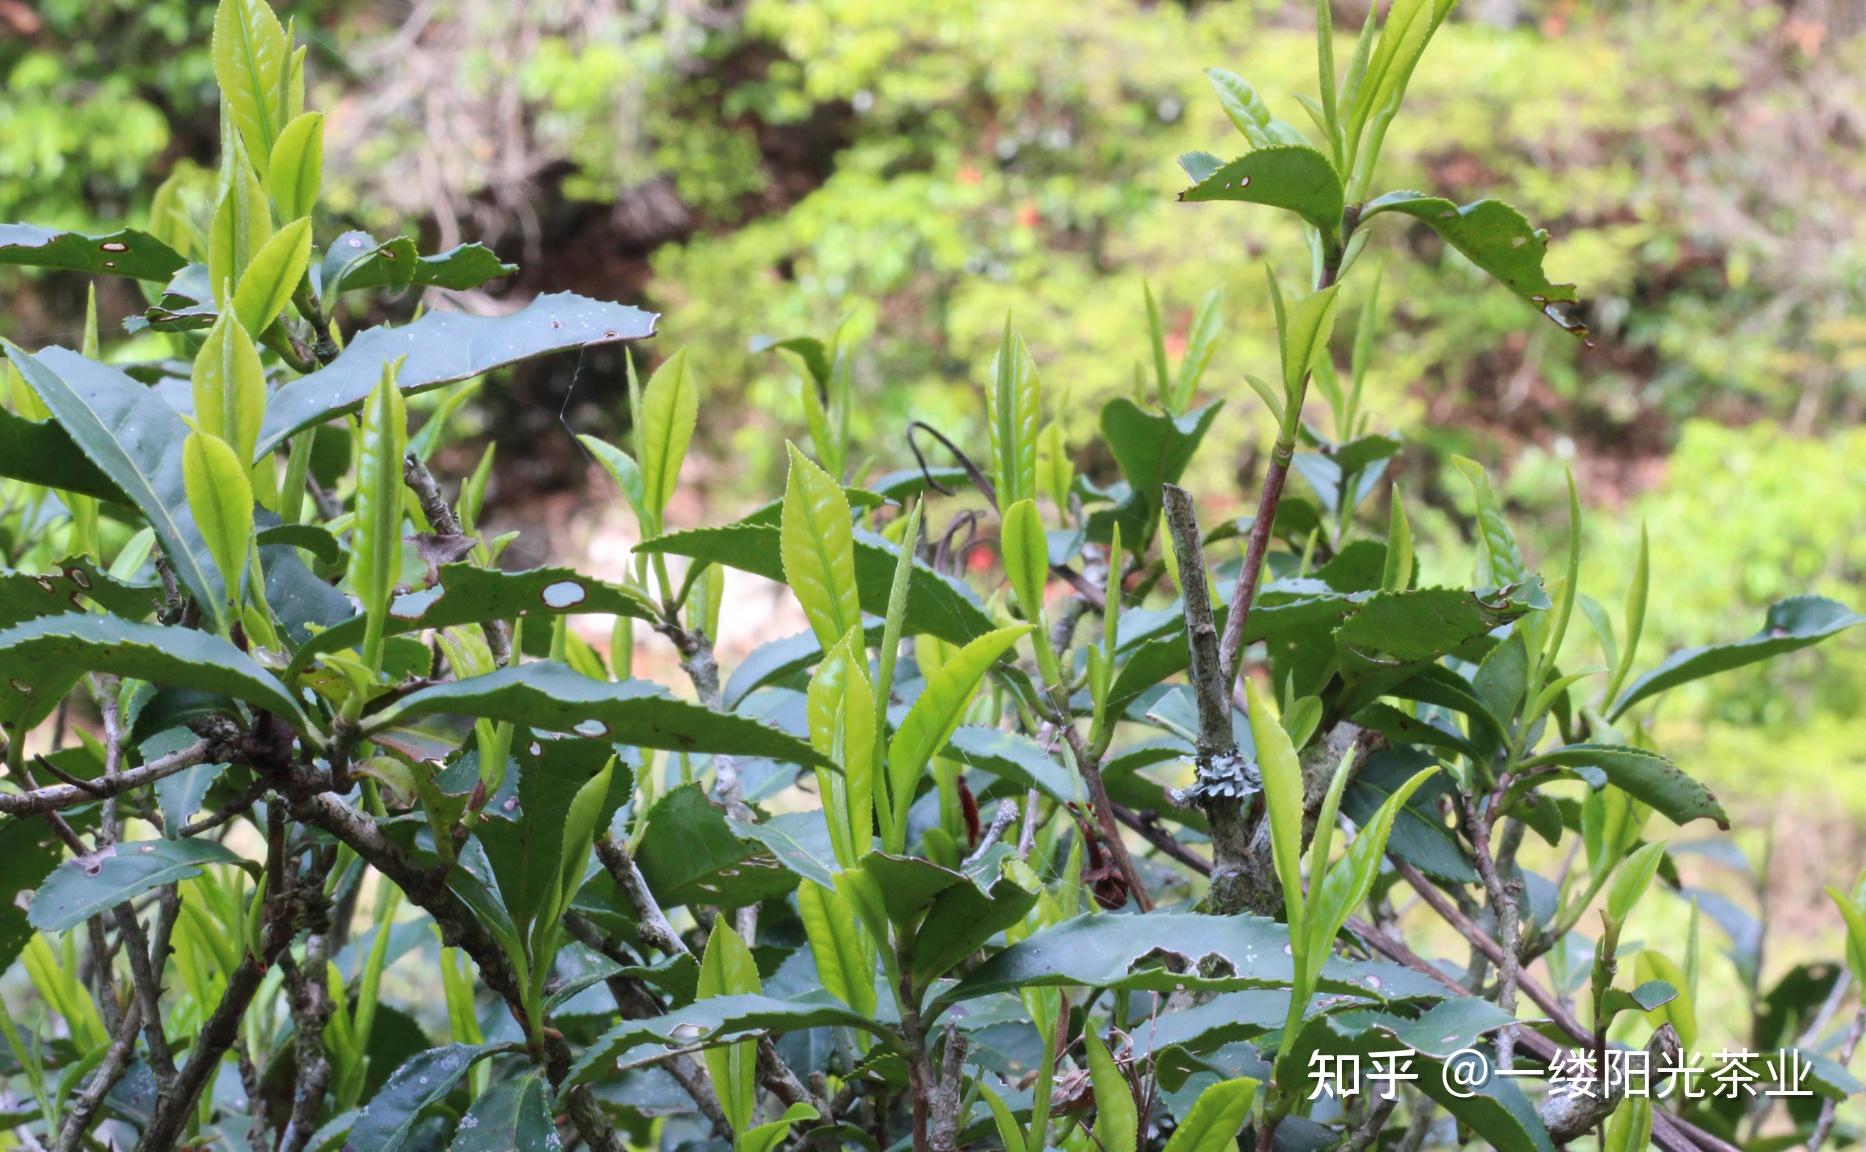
1351 878
1632 880
580 828
1216 1117
266 286
1156 333
624 471
766 1137
816 542
1247 111
845 958
840 709
222 503
297 169
1012 412
1201 344
1311 323
1635 616
1117 1121
376 543
1680 1011
1629 1129
929 724
1010 1133
230 386
241 225
1499 561
1282 790
727 969
1026 556
1853 911
1397 576
251 55
670 407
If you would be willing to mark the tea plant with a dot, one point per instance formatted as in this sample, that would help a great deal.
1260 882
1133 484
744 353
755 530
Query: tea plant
282 734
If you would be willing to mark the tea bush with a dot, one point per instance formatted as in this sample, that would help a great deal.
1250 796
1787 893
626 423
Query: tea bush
284 739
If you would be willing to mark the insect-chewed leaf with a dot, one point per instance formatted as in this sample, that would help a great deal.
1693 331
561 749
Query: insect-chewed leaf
1495 237
297 169
125 252
81 888
1290 176
817 544
1790 625
249 57
554 697
467 594
43 658
266 285
442 348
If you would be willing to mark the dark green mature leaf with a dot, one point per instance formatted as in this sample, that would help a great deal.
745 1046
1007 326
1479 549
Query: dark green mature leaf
557 698
1014 758
1421 625
81 888
1167 951
356 262
1273 616
780 660
1648 776
1791 624
444 347
1289 176
43 454
27 856
936 603
468 594
136 440
964 917
1419 836
691 854
1498 1111
125 252
1495 237
385 1124
513 1116
718 1020
43 658
525 847
1152 449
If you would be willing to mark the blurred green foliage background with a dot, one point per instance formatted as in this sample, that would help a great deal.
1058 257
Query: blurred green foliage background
763 167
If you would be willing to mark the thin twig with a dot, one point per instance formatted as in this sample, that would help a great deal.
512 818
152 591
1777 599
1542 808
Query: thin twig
58 797
1825 1125
447 526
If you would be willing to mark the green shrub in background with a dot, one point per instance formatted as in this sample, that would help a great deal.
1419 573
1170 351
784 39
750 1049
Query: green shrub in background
277 722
